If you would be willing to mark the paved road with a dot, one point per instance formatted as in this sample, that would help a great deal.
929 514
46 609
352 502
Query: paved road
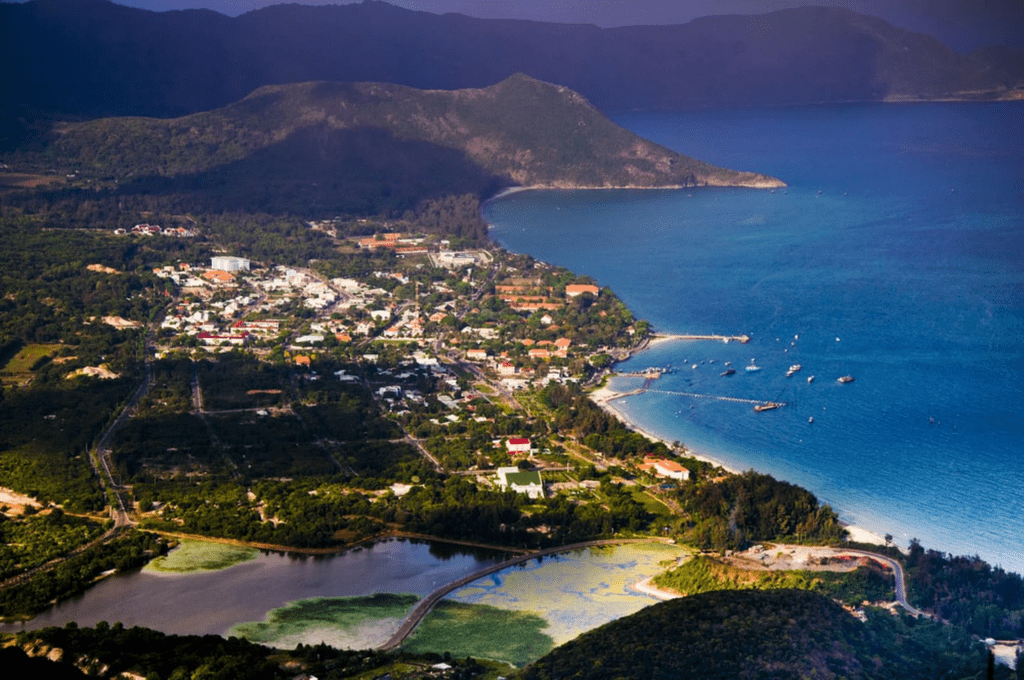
427 603
901 585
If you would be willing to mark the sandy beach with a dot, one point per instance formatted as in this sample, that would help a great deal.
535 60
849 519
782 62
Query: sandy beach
605 398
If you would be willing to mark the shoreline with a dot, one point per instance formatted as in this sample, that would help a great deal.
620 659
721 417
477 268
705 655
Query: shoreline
605 395
757 181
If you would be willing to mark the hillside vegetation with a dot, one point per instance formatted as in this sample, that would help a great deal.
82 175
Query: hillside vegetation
368 148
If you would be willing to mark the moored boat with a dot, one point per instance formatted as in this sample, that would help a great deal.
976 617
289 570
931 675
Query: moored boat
793 369
846 379
752 367
728 371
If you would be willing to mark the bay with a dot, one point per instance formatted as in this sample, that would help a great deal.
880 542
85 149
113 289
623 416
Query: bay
895 255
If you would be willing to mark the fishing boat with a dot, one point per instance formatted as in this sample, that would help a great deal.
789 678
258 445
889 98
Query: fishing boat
846 379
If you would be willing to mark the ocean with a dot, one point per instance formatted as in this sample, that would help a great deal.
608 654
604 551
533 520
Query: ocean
895 256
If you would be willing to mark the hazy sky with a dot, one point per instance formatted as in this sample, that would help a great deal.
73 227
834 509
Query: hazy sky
962 24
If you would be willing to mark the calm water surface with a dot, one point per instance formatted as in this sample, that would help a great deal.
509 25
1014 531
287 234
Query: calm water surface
211 602
895 255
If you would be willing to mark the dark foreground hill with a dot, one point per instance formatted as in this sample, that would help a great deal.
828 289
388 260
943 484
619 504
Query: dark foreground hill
370 148
763 634
95 58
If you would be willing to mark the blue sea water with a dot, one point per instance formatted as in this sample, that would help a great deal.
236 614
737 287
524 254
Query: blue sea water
895 255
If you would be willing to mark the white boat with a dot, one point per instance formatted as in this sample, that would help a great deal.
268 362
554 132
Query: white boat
752 367
810 379
793 369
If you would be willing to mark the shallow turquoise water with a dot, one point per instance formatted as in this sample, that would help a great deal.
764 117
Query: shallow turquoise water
895 255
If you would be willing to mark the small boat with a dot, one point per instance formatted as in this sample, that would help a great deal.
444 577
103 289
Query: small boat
793 369
846 379
694 366
728 371
752 367
767 406
810 379
810 419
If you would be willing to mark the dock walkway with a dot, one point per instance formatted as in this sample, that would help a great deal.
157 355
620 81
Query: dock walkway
742 339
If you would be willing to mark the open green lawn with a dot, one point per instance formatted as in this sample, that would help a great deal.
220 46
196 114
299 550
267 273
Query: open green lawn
651 504
19 368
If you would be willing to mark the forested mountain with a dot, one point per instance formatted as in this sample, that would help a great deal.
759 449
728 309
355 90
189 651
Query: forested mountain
370 148
95 58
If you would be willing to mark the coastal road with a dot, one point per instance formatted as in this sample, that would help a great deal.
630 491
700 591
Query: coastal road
427 603
901 585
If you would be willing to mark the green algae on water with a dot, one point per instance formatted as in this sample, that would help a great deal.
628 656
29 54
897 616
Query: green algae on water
195 556
342 622
483 632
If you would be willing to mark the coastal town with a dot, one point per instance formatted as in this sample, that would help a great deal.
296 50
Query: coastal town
443 339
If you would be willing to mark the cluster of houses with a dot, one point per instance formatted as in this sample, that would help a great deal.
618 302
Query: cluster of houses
155 230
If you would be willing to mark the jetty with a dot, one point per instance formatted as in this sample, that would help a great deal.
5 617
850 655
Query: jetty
694 395
742 339
648 374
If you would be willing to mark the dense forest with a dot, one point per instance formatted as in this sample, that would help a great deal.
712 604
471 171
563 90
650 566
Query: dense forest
988 601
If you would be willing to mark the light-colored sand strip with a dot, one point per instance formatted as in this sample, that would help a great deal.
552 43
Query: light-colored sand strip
647 588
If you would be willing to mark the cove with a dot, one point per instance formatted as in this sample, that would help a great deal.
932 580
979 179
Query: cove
894 255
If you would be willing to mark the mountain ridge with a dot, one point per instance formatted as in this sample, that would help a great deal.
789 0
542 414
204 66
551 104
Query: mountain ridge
91 59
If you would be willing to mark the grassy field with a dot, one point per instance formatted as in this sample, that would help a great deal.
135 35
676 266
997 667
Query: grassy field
651 504
19 369
193 556
11 181
482 632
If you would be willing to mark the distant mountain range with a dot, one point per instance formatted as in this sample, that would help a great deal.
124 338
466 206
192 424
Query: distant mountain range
371 147
90 58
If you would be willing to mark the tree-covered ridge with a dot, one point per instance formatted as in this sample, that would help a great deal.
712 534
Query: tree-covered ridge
764 634
519 131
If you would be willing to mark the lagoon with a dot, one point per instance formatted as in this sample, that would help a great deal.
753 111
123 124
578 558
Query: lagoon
358 599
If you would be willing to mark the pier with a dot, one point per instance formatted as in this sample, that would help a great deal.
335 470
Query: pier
694 395
649 374
742 339
738 400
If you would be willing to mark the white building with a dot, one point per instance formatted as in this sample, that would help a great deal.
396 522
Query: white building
226 263
529 483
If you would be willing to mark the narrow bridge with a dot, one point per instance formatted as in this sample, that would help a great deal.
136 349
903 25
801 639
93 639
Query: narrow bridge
427 603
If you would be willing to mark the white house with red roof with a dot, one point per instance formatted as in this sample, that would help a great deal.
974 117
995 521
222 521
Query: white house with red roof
517 445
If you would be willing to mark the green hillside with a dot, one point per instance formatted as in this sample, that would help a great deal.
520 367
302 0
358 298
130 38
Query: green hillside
371 147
